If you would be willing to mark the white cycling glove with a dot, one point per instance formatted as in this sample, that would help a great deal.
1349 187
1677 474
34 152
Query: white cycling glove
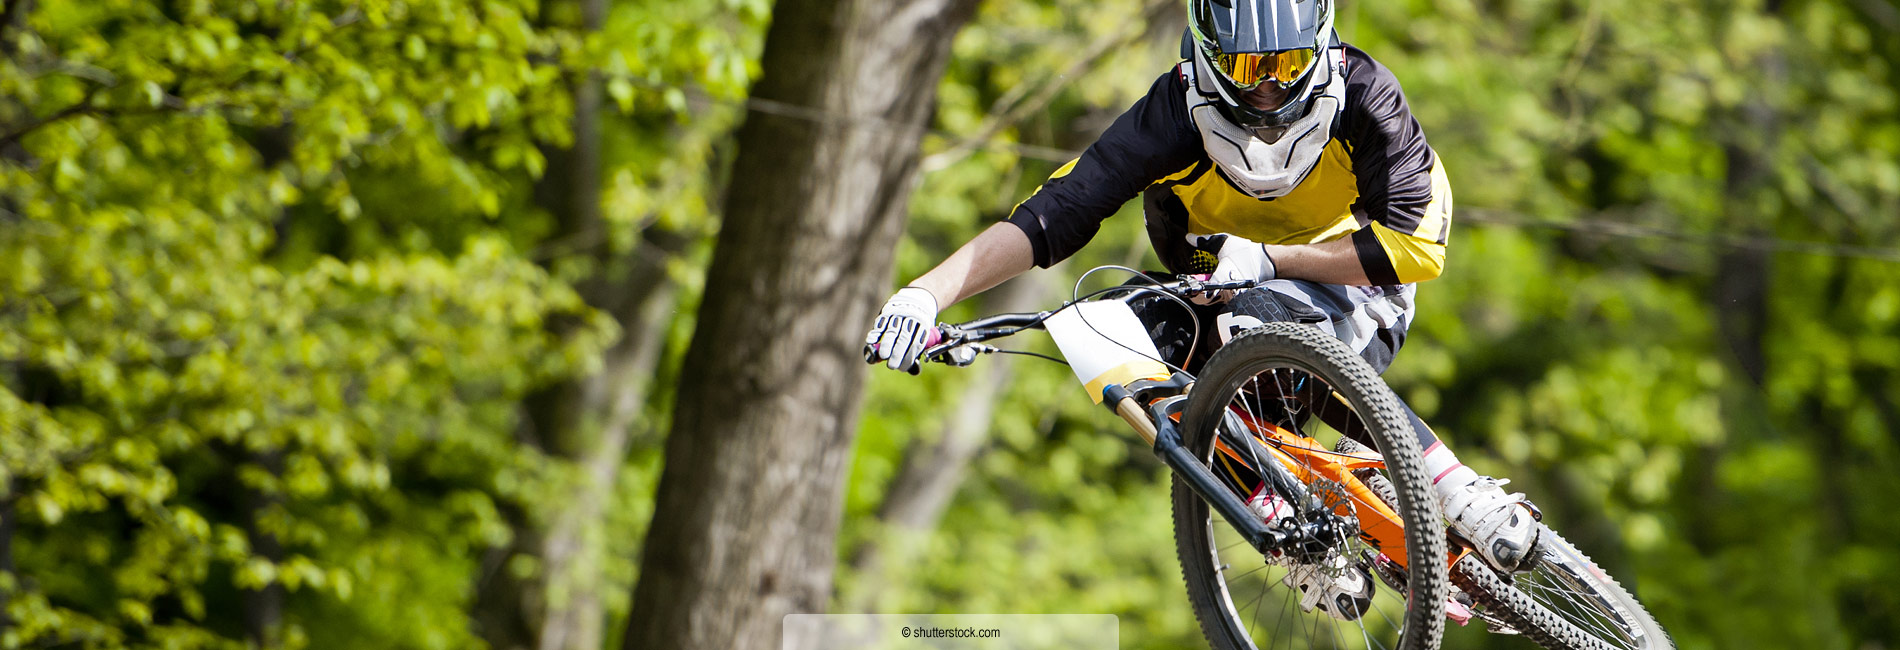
1242 259
902 330
1239 258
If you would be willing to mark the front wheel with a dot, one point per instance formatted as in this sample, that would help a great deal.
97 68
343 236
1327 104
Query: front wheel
1267 416
1562 602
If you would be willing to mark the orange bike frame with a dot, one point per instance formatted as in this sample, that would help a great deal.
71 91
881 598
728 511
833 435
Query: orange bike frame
1379 524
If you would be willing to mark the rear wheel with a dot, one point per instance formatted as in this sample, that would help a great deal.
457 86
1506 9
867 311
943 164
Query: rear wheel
1563 602
1296 391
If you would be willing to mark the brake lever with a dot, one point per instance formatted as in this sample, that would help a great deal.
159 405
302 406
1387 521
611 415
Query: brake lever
944 337
1197 284
1192 284
962 356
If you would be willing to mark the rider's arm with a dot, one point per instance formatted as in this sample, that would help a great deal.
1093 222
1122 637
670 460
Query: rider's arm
997 254
1150 140
1333 262
1404 198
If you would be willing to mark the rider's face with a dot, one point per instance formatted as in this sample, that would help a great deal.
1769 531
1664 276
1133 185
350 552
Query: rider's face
1266 97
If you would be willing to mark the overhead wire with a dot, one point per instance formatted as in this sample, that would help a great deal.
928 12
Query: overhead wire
1485 216
1637 231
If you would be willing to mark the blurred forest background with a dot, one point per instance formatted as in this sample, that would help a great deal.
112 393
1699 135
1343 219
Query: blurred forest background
361 323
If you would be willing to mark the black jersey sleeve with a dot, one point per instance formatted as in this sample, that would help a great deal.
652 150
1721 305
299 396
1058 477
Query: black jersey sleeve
1154 138
1404 199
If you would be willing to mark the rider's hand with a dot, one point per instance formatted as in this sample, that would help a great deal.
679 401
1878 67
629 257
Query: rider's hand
1239 259
902 329
1242 259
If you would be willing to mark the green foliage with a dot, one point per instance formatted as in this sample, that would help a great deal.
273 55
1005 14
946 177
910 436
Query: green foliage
1594 362
1601 371
160 372
275 281
1060 514
269 283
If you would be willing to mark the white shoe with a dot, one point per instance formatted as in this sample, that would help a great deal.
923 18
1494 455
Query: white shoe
1501 527
1342 591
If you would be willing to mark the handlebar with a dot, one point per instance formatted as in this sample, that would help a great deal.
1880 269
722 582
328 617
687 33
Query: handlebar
948 336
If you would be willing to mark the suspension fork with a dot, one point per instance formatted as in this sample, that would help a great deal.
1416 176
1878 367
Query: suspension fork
1156 426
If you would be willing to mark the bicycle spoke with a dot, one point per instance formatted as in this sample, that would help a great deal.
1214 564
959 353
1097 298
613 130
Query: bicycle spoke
1262 598
1592 619
1293 431
1557 593
1249 572
1307 628
1257 600
1388 618
1284 606
1260 464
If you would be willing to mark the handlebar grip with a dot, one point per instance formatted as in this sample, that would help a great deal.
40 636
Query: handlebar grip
873 355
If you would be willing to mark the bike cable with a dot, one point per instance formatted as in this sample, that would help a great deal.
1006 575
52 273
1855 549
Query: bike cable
1194 338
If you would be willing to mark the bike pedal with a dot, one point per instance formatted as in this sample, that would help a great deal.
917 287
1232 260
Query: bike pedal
1457 611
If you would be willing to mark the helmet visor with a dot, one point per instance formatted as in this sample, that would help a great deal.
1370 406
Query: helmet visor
1283 68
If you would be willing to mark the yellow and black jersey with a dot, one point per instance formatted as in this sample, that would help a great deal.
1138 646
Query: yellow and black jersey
1377 182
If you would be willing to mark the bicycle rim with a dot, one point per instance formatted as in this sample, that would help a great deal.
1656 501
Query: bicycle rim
1564 601
1306 383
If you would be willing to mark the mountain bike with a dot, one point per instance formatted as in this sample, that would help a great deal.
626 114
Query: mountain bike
1302 510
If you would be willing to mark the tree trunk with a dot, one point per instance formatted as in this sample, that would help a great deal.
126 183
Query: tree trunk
263 608
932 469
747 511
1739 293
568 417
583 423
572 548
7 578
586 422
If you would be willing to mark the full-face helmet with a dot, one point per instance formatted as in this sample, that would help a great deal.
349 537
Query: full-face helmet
1247 43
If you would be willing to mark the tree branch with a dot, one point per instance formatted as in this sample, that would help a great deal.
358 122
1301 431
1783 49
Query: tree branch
998 120
168 101
13 19
1885 14
83 106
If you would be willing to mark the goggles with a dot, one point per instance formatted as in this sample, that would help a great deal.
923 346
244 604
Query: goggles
1283 68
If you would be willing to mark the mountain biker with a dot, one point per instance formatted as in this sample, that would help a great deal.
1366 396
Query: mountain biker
1274 152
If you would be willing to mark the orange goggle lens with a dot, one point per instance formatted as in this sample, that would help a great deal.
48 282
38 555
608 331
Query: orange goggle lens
1252 69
